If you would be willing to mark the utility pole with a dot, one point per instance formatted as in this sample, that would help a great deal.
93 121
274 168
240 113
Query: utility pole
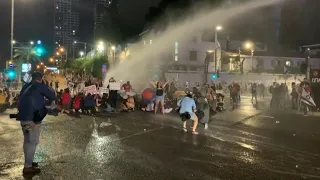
12 29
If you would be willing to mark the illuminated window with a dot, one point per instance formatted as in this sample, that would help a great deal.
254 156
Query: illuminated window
176 51
176 58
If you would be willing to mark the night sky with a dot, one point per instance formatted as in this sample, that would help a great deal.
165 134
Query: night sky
34 20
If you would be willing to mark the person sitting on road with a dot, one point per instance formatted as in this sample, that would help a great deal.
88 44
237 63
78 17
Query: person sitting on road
77 102
128 103
2 97
66 99
187 110
89 104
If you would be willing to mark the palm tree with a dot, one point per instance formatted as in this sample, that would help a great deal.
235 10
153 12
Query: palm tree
26 54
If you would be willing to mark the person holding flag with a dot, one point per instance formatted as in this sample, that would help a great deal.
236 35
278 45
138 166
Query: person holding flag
306 99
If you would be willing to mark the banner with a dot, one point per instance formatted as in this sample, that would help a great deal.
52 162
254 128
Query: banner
70 85
307 99
90 89
103 90
115 86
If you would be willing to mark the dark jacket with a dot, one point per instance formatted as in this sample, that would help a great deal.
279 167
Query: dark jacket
89 101
32 99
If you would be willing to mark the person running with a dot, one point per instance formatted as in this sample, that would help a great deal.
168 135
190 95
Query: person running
159 96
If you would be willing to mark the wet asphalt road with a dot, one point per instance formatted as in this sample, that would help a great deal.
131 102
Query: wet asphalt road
244 144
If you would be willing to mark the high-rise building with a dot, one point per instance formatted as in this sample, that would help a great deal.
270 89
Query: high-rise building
104 12
66 25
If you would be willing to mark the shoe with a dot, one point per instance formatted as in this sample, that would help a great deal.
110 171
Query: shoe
195 132
185 129
31 170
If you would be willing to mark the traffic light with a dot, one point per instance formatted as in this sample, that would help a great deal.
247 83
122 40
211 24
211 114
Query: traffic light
39 50
155 75
11 73
214 76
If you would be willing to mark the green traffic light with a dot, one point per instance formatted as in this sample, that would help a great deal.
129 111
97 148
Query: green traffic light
11 74
214 76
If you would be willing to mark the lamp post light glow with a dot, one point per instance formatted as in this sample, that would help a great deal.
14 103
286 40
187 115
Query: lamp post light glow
216 43
51 60
250 46
13 42
61 49
101 46
31 42
81 53
38 42
41 63
57 53
218 28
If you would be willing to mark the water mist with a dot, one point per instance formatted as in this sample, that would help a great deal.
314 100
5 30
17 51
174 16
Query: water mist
135 69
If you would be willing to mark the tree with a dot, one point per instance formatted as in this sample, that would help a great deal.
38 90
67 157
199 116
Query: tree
26 54
91 65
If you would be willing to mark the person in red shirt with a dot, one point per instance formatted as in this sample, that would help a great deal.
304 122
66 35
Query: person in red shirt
65 99
77 102
127 87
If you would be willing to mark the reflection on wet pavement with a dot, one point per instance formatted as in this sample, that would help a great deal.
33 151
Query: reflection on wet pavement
144 146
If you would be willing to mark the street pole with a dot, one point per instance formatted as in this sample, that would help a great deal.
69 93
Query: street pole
12 27
215 51
307 63
252 59
73 51
85 49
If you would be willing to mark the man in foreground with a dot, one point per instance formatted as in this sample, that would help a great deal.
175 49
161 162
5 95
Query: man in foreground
32 111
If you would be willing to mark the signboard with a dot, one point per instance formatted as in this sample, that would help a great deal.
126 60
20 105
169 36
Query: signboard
90 89
25 67
103 90
315 85
70 85
315 76
115 86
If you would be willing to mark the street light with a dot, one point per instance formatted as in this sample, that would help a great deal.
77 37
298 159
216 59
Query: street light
51 59
57 53
38 42
250 46
31 42
61 49
13 42
218 28
81 53
85 46
41 63
101 46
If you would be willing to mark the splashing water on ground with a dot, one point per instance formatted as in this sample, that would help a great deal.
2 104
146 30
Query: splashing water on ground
135 69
